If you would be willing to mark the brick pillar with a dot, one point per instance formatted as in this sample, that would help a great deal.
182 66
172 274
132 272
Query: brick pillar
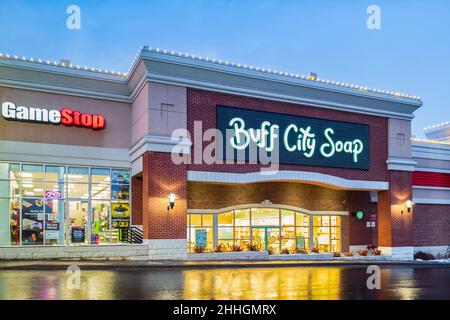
164 230
136 200
395 223
360 235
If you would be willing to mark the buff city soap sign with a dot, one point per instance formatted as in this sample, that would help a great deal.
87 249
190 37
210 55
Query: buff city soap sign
300 140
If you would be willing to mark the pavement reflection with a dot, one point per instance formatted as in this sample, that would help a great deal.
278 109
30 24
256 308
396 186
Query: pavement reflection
296 283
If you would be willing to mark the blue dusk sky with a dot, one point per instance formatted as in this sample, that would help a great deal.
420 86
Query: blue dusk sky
410 53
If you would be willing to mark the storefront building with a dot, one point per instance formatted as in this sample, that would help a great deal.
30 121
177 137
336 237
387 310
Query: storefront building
200 153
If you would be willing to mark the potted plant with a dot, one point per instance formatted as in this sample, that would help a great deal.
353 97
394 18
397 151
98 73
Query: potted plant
300 251
198 249
236 248
285 251
348 254
220 248
315 250
363 252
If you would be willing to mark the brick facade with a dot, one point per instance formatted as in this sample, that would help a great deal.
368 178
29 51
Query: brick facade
394 222
310 197
201 106
160 177
431 225
360 234
136 200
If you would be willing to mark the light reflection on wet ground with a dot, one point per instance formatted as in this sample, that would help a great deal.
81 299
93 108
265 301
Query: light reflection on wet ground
298 283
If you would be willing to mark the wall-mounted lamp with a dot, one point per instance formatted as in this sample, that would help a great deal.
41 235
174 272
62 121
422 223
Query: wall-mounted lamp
172 198
409 204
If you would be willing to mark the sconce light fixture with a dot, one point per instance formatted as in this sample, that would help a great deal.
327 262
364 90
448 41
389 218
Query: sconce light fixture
172 198
409 204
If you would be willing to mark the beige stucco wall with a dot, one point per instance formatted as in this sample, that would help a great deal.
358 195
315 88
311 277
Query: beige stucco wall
158 110
116 134
399 135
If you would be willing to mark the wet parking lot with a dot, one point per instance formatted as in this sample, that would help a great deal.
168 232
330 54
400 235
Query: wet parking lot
298 283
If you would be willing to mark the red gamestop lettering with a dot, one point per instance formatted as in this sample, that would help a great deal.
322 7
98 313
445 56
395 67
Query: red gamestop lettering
70 118
66 116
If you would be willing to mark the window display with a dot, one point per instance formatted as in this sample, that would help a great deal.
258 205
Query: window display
50 204
266 228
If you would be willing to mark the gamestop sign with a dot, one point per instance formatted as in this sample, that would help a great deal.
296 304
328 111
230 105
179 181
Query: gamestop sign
65 116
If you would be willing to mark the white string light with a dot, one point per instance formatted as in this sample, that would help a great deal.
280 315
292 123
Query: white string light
227 63
447 143
434 126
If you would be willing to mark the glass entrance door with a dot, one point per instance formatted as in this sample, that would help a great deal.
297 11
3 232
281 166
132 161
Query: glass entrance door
267 237
77 222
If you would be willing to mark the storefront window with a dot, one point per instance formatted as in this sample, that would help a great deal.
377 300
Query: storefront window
242 217
56 205
78 174
14 222
100 223
265 217
201 232
32 221
54 173
326 233
54 222
225 230
266 228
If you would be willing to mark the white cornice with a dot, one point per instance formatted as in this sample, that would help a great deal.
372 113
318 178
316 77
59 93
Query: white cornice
272 96
401 164
63 90
287 175
237 69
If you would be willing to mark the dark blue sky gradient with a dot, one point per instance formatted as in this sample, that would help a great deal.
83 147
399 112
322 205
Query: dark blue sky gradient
411 52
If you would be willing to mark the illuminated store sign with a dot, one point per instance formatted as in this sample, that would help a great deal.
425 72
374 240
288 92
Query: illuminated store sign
300 140
64 116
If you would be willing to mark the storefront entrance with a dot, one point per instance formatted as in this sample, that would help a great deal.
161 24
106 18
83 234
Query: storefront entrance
77 222
267 237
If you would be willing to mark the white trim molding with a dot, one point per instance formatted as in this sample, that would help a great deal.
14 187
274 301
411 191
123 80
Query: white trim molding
431 201
289 176
431 188
436 170
267 205
63 154
160 144
401 164
430 151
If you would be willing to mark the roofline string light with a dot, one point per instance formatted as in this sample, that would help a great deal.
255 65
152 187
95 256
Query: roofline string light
446 143
7 56
270 71
215 61
434 126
